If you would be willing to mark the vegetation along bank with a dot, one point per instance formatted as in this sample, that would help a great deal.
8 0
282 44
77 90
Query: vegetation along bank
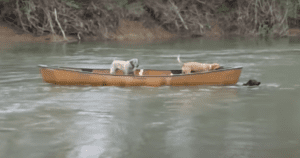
124 20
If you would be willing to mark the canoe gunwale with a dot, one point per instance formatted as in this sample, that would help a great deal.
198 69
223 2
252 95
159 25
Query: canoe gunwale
80 70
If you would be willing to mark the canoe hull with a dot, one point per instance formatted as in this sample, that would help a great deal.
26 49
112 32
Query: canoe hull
153 78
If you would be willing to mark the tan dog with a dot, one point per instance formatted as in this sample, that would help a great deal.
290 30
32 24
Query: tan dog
195 66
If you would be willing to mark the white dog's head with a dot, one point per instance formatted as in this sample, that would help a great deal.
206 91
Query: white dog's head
134 63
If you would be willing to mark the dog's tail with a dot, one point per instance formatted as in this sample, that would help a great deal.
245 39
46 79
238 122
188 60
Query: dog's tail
178 59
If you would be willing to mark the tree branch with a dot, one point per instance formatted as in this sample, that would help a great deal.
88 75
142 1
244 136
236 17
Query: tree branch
177 12
62 31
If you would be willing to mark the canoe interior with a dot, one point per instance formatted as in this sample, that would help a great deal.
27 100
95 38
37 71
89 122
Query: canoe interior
146 72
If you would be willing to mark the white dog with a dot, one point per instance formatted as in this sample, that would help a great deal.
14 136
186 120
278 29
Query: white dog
126 66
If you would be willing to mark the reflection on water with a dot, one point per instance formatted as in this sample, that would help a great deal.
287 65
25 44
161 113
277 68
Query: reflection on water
42 120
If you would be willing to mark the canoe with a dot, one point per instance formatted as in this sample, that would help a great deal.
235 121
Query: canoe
146 77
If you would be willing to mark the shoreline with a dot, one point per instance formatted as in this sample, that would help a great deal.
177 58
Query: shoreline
128 31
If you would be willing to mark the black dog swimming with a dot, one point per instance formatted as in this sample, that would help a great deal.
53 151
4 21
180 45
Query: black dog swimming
251 83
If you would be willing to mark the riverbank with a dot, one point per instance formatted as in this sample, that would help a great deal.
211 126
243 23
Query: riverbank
134 20
10 34
127 31
131 31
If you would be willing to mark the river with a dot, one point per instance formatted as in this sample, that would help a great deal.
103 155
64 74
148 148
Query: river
40 120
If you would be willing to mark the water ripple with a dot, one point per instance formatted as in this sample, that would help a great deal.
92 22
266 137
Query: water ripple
7 129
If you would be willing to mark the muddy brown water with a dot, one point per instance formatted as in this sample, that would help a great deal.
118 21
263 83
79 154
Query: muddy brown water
39 120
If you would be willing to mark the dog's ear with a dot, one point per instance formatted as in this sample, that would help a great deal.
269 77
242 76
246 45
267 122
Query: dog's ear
137 63
134 63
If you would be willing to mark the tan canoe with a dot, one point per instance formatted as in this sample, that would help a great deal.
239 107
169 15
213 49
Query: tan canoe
154 78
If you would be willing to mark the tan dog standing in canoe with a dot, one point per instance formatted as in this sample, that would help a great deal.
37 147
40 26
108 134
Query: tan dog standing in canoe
195 66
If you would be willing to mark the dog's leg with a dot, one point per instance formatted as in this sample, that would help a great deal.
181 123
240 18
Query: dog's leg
125 72
112 69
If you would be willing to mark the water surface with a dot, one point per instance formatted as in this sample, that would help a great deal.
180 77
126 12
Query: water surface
42 120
